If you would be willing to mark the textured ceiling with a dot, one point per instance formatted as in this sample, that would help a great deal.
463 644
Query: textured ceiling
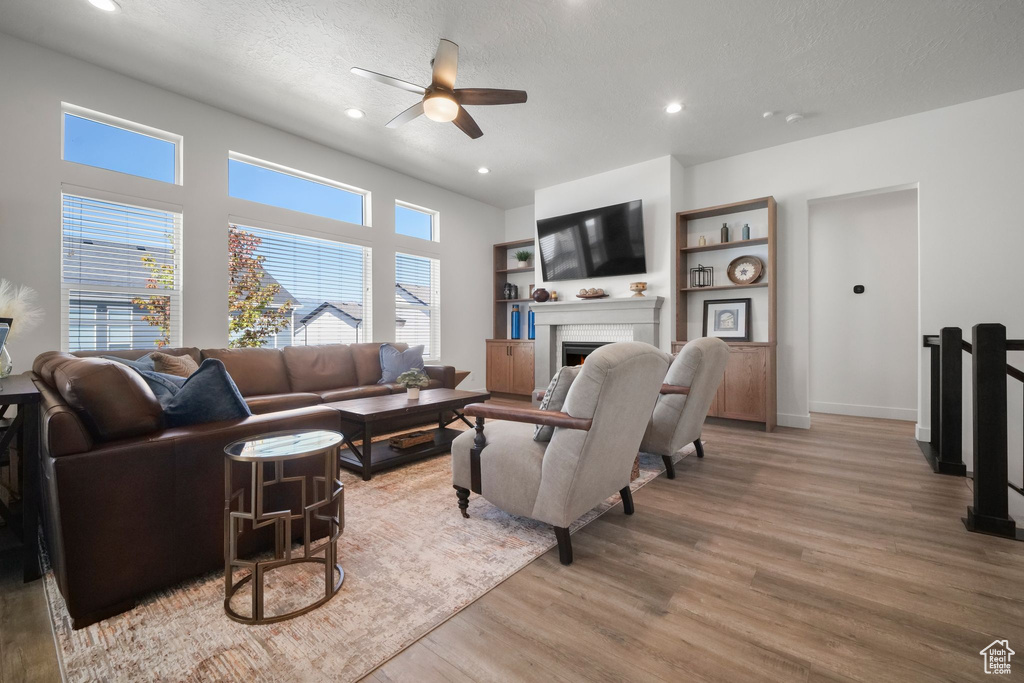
598 71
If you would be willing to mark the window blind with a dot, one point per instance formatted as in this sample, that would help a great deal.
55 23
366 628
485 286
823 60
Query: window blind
288 289
120 275
418 303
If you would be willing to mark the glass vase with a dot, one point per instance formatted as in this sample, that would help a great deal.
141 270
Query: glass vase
6 364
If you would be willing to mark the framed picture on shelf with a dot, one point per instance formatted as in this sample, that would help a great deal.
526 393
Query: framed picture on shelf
727 319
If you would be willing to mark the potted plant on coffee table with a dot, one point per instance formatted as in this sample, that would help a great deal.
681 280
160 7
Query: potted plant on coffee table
413 381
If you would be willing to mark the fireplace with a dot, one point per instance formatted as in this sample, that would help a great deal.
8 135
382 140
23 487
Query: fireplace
575 353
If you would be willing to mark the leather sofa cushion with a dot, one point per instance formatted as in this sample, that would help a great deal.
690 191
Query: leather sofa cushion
354 392
317 368
271 403
135 354
46 363
256 372
62 431
113 401
367 358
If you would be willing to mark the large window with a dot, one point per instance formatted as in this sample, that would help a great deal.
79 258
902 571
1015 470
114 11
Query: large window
418 303
414 221
287 289
104 141
266 183
120 275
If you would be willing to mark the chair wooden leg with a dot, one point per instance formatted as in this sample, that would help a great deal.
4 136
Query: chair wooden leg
627 500
463 495
670 468
564 545
700 448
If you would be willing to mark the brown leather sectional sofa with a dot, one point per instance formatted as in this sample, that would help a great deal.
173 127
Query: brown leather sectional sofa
130 506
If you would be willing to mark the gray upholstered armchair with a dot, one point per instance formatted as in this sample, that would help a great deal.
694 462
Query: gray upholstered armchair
686 396
591 452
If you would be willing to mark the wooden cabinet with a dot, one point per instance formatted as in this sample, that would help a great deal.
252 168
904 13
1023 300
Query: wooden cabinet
747 391
510 366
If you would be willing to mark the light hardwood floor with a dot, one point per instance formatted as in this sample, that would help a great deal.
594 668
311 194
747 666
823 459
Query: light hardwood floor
825 555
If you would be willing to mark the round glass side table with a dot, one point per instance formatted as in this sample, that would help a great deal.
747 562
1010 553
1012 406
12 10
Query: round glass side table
322 499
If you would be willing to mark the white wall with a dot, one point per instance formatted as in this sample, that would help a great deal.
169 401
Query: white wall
34 81
656 182
520 224
966 161
864 347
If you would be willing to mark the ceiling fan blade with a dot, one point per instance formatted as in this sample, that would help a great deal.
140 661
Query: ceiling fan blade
446 64
406 116
467 125
389 80
473 96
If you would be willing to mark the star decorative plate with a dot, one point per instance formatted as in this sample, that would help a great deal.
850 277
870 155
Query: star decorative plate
745 270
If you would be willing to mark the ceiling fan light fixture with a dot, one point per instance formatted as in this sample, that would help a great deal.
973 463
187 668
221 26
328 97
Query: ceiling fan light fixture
440 107
105 5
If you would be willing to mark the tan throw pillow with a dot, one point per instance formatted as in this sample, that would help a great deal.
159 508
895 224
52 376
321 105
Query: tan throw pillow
554 398
179 366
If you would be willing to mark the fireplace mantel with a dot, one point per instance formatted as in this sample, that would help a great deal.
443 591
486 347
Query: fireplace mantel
641 314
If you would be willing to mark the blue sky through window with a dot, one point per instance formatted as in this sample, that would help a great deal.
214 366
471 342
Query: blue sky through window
413 223
267 186
97 144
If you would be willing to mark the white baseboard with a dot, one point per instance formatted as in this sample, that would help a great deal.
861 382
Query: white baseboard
907 414
798 421
922 433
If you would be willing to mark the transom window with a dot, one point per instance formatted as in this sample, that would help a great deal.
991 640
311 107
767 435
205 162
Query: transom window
104 141
120 275
415 221
267 183
287 289
418 303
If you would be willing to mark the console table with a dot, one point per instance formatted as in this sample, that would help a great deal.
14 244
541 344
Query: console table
20 391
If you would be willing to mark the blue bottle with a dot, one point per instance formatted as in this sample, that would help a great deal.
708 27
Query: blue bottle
531 333
746 231
515 322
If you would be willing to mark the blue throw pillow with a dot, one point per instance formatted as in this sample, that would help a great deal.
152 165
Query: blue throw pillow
140 364
208 395
163 385
394 362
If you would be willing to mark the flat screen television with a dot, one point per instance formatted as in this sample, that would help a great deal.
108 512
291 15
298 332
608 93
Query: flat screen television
594 243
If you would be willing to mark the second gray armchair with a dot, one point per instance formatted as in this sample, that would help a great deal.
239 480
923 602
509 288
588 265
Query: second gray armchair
590 455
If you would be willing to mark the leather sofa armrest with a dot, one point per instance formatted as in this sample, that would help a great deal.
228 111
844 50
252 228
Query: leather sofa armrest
528 415
443 373
674 389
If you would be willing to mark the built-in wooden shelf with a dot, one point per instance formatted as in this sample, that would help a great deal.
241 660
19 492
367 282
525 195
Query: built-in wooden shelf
510 361
528 269
727 245
719 287
510 301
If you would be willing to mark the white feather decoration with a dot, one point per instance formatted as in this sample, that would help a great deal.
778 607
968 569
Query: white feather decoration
18 302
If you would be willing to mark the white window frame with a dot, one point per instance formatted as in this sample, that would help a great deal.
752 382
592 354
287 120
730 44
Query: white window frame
131 127
269 226
435 317
176 294
435 222
279 168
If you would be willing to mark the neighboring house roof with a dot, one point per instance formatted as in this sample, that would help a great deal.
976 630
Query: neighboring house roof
283 296
414 294
346 311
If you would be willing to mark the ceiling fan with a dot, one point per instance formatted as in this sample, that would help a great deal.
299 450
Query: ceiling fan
442 101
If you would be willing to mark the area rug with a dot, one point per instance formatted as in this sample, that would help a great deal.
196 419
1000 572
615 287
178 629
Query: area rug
411 561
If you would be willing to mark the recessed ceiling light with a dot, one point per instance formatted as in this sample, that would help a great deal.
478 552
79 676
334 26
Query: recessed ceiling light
674 108
105 5
483 170
354 113
793 118
768 114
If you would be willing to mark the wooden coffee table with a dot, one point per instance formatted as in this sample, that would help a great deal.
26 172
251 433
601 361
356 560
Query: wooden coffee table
366 413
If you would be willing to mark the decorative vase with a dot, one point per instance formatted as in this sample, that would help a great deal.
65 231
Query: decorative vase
6 364
746 231
515 292
725 233
507 290
540 295
638 288
515 322
703 242
531 331
414 393
525 264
